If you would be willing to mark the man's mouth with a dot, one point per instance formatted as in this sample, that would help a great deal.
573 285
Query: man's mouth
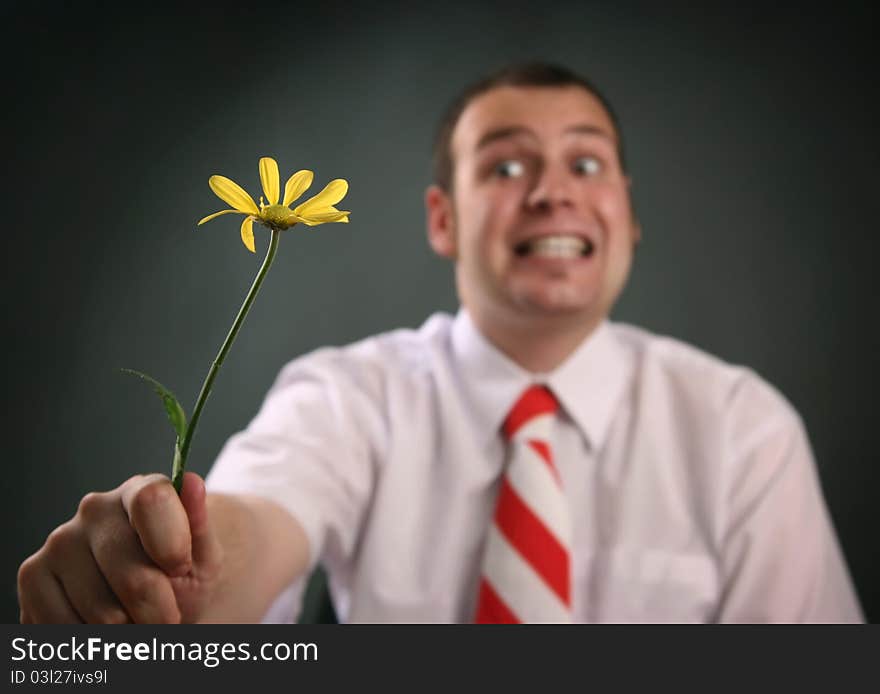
555 246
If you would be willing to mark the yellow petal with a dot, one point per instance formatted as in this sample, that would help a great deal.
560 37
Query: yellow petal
247 234
269 179
216 214
232 193
333 192
325 216
297 185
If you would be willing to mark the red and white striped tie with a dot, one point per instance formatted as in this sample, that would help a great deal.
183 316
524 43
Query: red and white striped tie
527 562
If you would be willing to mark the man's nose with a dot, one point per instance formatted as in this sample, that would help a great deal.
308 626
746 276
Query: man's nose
553 187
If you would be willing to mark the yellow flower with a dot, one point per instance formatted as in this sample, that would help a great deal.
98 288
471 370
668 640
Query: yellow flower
316 210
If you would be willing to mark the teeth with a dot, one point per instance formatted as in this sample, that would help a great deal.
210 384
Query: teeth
556 247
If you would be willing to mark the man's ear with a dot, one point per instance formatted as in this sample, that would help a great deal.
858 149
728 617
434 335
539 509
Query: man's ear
441 222
636 226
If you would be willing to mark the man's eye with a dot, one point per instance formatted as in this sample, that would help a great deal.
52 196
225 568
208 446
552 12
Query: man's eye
587 166
510 168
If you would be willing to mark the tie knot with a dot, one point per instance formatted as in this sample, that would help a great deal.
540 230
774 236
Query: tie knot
536 401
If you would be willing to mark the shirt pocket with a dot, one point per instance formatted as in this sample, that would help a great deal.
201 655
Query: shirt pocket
633 585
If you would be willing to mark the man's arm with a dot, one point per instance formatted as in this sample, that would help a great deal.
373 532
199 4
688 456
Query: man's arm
266 550
140 553
781 561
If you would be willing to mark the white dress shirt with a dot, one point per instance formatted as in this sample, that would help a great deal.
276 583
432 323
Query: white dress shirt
693 490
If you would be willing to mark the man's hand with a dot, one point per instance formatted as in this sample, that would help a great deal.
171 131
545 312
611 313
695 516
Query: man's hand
138 553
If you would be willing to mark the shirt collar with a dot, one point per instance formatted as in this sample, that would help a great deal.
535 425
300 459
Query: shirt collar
588 384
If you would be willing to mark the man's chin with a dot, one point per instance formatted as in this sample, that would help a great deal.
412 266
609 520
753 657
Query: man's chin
562 302
544 314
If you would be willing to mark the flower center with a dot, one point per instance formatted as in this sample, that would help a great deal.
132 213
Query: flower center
278 216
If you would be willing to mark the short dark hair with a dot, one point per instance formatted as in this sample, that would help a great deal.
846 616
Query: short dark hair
535 74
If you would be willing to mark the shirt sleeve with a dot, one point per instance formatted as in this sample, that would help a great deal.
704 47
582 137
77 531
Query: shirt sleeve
781 561
311 449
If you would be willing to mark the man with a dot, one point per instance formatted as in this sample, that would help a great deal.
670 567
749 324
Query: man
654 483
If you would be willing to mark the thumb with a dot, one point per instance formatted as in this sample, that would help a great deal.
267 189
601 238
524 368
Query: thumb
205 544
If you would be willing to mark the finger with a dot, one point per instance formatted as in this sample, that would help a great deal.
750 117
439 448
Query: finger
42 598
160 521
86 588
141 587
205 544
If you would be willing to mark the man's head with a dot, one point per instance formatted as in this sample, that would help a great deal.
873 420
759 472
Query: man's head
526 75
532 202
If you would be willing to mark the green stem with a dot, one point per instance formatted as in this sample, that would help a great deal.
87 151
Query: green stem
180 460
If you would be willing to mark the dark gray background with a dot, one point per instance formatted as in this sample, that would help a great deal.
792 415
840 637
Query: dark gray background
752 144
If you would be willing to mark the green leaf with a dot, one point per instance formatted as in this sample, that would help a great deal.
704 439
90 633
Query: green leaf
175 412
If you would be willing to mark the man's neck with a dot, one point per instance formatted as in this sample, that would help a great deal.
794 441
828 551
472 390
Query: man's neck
537 344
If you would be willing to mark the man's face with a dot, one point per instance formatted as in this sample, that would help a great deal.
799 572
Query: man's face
539 220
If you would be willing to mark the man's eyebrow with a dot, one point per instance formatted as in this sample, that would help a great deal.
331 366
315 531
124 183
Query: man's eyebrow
519 131
503 134
589 130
